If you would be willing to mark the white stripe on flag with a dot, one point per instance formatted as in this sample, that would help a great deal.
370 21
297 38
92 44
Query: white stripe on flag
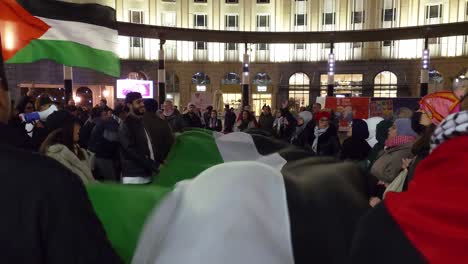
231 213
96 37
239 146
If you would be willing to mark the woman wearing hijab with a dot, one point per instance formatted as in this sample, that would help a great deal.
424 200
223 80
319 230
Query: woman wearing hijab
397 147
429 222
62 145
303 119
356 148
323 139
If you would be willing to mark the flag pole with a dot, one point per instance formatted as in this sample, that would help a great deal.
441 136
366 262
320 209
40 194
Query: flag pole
4 94
68 83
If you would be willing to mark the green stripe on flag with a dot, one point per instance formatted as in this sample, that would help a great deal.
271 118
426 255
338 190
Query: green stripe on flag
123 209
193 152
69 54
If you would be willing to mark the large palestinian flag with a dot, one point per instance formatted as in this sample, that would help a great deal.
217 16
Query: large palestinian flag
235 198
79 35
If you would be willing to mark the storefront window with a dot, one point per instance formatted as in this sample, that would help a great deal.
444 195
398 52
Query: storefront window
385 85
234 100
259 100
299 90
349 85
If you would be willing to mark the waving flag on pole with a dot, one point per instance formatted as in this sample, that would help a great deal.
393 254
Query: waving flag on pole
78 35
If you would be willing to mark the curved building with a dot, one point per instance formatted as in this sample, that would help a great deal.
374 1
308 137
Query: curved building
298 70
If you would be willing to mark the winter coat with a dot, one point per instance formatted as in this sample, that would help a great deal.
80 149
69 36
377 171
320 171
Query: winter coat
175 121
237 128
104 140
355 149
67 158
160 133
51 219
15 135
135 152
328 143
192 120
218 127
229 121
388 164
85 133
266 122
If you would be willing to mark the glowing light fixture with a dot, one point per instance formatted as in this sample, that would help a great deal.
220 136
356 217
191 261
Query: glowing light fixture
77 99
105 93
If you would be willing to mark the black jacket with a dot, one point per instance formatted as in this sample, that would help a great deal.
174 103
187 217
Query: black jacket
135 152
229 121
355 149
192 120
160 133
50 220
328 142
104 141
266 122
218 127
85 133
14 134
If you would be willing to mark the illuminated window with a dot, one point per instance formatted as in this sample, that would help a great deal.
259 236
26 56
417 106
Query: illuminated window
433 11
232 21
200 78
385 85
231 78
137 18
328 19
299 84
200 20
349 85
263 21
262 79
300 20
389 14
358 17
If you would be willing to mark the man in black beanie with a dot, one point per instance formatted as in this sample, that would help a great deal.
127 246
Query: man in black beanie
137 153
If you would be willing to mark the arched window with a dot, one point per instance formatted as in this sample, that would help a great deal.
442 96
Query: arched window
299 90
262 79
84 96
172 88
231 78
200 78
385 85
436 81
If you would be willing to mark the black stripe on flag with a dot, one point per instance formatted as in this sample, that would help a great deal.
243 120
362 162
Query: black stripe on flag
86 13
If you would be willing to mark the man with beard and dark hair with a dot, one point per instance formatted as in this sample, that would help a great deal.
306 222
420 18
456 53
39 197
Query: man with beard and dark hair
137 153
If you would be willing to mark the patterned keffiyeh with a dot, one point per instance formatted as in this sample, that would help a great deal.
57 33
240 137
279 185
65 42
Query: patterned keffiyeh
454 125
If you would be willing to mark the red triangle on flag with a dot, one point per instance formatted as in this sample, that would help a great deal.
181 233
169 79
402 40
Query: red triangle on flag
18 27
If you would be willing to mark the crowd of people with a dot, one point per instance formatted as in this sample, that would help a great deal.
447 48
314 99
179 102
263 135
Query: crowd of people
128 144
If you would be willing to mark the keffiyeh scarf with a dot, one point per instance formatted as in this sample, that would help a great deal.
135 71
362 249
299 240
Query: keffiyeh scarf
453 126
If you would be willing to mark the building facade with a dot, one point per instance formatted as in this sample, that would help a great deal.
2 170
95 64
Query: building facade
195 70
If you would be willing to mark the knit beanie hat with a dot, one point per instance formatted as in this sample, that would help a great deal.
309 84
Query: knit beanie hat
306 116
132 97
322 114
439 105
404 127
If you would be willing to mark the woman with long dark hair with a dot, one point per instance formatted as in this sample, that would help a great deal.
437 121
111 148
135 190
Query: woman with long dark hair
62 145
245 123
214 123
